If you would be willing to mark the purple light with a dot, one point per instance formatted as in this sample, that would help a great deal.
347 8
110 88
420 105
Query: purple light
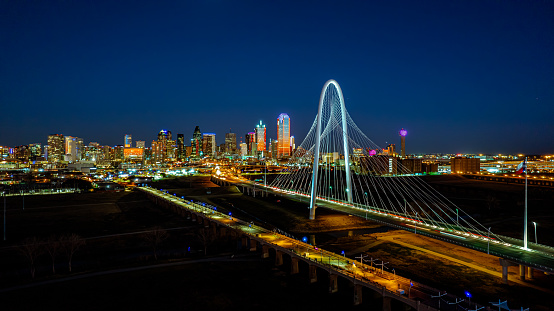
403 132
372 152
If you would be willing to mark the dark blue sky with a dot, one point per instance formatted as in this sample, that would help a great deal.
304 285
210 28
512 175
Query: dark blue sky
460 76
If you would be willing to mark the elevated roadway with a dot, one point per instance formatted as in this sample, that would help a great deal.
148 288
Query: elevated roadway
537 256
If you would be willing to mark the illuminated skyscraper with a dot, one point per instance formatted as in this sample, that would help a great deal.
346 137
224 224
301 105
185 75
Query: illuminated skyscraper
36 150
208 141
128 141
180 147
260 137
73 148
283 135
250 142
196 143
230 142
140 144
164 135
243 149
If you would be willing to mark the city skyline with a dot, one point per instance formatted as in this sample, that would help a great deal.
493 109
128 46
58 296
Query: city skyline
461 77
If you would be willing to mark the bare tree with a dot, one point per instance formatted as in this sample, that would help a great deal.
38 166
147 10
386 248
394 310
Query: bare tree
70 244
31 249
155 237
53 246
492 202
206 237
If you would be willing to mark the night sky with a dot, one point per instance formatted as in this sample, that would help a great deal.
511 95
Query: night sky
460 76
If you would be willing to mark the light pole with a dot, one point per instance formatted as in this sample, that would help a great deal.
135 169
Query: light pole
415 230
439 296
457 219
489 239
535 224
468 295
366 204
4 195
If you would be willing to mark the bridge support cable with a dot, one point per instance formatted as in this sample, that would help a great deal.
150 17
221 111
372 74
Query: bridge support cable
340 164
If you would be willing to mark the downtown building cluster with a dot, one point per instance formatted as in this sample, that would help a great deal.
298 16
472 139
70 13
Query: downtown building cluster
64 151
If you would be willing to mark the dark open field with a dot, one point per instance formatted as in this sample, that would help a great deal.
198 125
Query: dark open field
99 214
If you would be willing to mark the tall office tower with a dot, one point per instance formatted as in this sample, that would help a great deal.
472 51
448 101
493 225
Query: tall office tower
403 134
140 144
36 150
196 143
243 149
157 151
260 137
170 150
292 145
119 153
283 135
273 147
73 148
390 150
181 147
164 135
250 142
208 142
128 141
230 143
56 148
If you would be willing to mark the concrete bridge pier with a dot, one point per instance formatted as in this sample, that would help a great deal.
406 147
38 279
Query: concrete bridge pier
333 283
386 304
265 251
222 231
522 272
244 242
312 273
530 273
278 258
294 266
505 264
253 245
357 294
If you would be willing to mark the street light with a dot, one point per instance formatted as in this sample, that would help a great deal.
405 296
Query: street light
535 224
415 230
468 295
489 238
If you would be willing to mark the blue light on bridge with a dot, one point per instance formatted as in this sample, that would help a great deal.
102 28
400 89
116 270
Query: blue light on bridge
468 294
305 239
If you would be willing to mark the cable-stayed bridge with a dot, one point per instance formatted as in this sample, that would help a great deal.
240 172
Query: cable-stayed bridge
338 167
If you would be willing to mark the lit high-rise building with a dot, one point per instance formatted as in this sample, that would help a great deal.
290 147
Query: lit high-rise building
128 141
158 153
35 149
230 142
140 144
208 141
250 142
283 135
56 148
243 149
196 142
73 148
181 147
260 137
164 135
